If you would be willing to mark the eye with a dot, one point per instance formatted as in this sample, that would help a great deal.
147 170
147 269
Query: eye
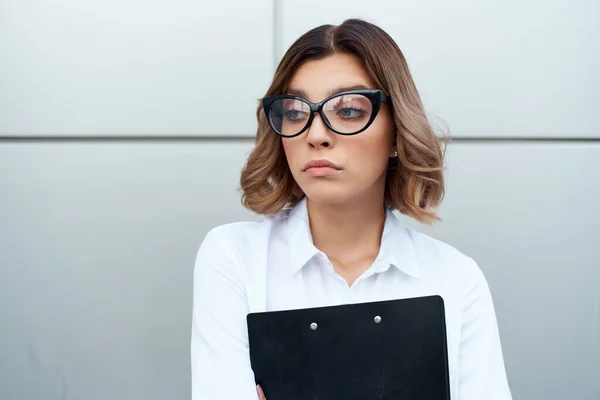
351 107
294 115
350 112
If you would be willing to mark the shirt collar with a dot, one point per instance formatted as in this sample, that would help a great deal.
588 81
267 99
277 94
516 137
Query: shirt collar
300 243
396 249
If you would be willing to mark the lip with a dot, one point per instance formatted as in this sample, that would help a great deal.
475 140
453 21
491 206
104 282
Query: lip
321 167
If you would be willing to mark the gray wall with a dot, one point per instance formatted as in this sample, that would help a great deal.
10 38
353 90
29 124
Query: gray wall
115 161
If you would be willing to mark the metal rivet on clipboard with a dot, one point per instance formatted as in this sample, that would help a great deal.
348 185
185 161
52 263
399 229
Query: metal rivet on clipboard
377 319
314 326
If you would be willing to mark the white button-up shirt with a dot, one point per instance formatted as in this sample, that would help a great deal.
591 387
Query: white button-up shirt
273 265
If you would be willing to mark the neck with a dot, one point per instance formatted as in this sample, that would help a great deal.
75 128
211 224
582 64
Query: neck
349 233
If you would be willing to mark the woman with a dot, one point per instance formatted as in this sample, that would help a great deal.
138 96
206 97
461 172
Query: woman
342 141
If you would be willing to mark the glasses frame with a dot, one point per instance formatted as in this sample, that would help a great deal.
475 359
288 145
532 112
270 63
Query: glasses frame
376 96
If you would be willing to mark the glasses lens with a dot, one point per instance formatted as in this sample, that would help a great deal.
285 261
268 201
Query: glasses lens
289 116
348 113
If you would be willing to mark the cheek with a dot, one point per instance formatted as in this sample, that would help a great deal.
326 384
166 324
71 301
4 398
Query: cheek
290 148
286 148
370 154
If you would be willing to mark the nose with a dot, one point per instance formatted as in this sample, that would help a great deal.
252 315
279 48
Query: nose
319 135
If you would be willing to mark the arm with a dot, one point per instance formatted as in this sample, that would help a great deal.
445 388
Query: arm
481 364
219 343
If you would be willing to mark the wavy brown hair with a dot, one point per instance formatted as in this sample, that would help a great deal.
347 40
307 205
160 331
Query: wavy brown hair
414 182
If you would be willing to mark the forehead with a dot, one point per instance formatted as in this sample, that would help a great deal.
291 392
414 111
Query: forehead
317 78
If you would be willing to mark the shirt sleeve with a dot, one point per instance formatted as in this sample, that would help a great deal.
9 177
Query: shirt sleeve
481 364
220 358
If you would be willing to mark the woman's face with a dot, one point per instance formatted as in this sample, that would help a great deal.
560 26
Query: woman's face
361 159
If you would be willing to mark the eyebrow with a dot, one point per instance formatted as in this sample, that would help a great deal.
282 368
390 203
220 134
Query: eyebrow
302 93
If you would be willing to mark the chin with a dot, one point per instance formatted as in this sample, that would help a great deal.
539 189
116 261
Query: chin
327 193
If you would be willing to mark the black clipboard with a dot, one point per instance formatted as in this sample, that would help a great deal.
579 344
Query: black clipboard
387 350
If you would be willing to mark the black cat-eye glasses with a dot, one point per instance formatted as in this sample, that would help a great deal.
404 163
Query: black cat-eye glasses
345 113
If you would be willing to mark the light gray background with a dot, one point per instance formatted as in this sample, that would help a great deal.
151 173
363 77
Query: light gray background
120 147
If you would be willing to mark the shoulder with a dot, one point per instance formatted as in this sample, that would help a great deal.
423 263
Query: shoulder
235 236
438 258
451 273
234 232
241 238
225 251
244 233
236 253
